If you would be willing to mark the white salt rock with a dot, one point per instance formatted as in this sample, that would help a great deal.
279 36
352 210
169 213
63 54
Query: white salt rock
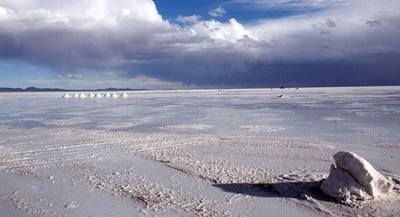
91 95
363 172
82 95
76 95
107 95
342 186
66 95
98 95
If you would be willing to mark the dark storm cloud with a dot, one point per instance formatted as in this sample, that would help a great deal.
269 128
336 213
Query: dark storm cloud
382 70
56 48
333 47
361 71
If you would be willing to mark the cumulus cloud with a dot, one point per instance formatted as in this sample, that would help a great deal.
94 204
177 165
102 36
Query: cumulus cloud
217 12
189 19
231 31
80 34
94 10
130 36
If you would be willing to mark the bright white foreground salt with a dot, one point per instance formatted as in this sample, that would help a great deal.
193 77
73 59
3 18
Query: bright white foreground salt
188 153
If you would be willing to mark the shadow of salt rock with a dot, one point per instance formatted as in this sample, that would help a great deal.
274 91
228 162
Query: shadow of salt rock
298 190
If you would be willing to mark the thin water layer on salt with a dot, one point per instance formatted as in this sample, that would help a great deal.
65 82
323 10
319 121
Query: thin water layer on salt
364 114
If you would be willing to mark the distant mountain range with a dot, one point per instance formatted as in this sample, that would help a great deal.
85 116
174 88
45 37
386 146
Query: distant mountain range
35 89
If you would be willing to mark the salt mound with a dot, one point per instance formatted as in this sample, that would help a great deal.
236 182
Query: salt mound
66 96
353 178
114 95
82 95
107 95
76 95
124 95
98 95
91 95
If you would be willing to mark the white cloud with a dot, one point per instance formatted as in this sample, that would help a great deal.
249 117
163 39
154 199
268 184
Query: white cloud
3 13
231 31
69 77
99 10
299 37
189 19
217 12
293 5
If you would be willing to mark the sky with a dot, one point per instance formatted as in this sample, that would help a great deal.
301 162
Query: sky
172 44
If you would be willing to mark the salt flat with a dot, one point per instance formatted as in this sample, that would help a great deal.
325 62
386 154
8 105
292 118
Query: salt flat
243 152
